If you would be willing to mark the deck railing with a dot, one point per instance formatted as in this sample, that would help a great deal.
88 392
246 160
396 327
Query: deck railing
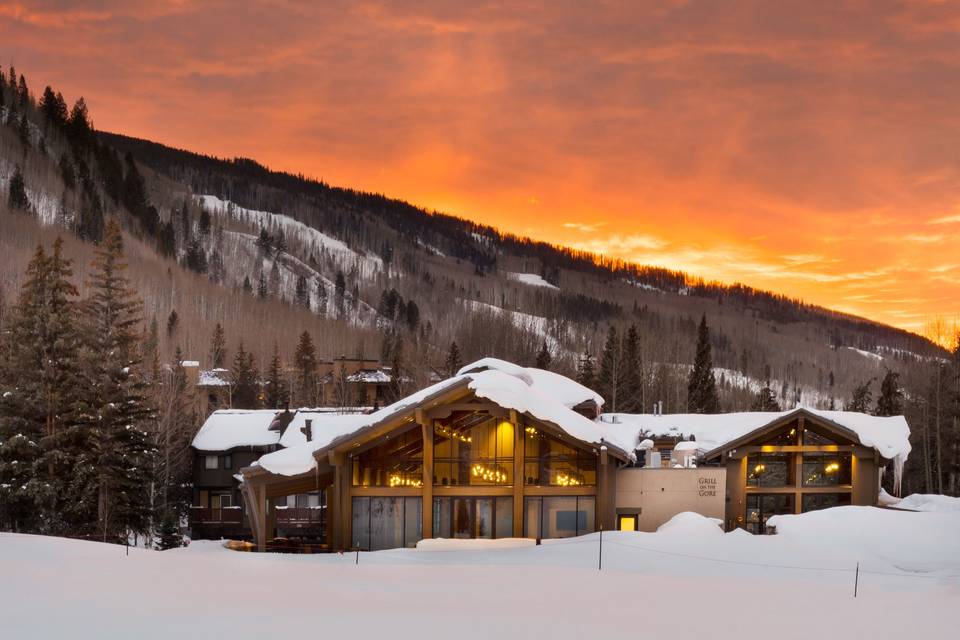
208 515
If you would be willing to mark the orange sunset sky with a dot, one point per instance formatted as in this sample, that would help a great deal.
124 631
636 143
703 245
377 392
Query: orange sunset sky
810 148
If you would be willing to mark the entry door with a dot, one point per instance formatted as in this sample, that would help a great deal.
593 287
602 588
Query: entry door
627 522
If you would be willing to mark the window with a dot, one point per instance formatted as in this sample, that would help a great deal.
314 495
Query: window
627 522
826 469
549 462
221 500
228 461
815 438
211 462
473 448
816 501
387 522
472 517
783 438
558 516
770 470
396 462
761 506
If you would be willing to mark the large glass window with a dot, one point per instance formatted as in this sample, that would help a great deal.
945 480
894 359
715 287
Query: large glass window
397 462
826 469
761 506
817 501
387 522
550 462
472 517
472 448
558 516
783 438
815 438
770 470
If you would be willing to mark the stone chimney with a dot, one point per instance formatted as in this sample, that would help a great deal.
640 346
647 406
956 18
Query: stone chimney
307 429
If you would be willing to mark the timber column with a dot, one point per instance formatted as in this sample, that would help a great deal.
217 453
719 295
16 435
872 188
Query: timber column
518 474
335 503
426 509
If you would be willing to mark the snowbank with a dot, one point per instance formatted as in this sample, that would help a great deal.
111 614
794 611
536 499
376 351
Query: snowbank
930 502
531 279
690 523
450 544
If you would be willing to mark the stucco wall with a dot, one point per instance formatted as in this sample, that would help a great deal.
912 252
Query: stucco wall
660 494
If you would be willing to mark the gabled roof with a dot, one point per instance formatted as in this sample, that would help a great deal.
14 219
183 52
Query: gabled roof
542 395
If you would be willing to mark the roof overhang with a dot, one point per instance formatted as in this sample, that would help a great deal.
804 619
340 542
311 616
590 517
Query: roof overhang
778 422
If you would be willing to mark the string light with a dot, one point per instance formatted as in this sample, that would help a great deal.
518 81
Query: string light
397 480
492 474
565 480
449 433
832 467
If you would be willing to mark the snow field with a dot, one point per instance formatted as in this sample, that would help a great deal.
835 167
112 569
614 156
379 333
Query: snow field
687 582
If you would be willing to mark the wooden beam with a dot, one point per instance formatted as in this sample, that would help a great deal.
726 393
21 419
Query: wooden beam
518 473
426 507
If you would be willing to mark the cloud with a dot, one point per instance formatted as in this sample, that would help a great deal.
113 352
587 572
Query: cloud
584 227
945 220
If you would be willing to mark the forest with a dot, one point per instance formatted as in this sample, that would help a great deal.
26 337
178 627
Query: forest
169 255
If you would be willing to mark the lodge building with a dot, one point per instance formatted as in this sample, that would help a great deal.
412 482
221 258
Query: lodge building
504 451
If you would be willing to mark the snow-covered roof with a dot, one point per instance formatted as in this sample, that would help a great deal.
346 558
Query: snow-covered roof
561 388
890 436
325 425
545 396
229 428
214 378
375 376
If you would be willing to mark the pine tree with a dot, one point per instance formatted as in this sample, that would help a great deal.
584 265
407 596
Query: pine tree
247 287
173 323
585 372
544 359
397 372
244 374
340 290
890 402
280 243
265 242
17 196
766 400
151 352
862 397
218 347
321 298
196 258
631 399
120 419
38 414
261 286
79 128
168 533
203 224
23 131
454 362
276 392
301 294
702 386
305 362
609 381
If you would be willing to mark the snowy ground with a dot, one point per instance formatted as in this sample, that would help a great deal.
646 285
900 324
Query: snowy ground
690 581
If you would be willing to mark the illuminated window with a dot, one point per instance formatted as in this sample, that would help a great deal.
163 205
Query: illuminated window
761 506
473 448
396 462
826 469
627 523
770 470
549 462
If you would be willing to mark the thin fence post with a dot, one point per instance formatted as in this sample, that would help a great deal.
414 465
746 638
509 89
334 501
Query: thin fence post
600 558
856 580
358 555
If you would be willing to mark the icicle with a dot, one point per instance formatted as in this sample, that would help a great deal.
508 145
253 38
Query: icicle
898 463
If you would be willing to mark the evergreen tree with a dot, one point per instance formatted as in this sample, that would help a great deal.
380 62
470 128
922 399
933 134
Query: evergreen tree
276 392
265 242
196 257
609 381
631 399
40 367
301 295
23 131
280 243
261 286
173 323
544 359
167 241
218 347
247 287
395 390
151 352
89 225
321 298
168 533
340 290
585 373
17 196
766 400
305 362
412 314
702 386
862 398
79 128
120 418
454 361
244 373
890 402
203 225
23 94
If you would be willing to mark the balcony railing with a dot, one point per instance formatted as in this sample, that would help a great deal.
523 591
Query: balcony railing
299 516
207 515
